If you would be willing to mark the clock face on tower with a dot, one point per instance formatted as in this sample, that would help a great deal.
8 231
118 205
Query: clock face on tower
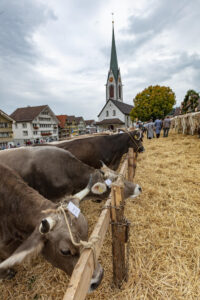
111 79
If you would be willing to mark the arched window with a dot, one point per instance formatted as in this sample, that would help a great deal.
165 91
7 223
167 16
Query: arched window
111 91
120 92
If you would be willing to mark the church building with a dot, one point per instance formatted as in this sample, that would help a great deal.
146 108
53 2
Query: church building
115 113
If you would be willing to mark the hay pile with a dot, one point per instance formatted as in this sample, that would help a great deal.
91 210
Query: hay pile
165 233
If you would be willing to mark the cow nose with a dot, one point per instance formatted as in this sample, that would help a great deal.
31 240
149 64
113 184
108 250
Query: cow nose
96 279
141 149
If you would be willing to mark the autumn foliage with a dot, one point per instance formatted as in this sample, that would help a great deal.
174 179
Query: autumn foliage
152 102
190 102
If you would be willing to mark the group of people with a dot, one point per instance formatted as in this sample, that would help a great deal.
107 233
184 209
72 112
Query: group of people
155 127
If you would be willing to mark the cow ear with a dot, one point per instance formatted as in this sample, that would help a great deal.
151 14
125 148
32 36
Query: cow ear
99 188
47 225
32 246
136 136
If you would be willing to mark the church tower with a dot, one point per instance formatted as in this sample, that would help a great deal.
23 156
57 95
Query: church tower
114 88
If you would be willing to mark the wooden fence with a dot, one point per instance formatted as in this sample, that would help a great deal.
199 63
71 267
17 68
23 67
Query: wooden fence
113 212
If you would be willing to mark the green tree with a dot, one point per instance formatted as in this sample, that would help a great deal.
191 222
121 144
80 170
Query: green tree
190 102
152 102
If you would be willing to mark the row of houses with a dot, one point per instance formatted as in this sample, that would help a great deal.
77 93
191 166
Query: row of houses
71 126
39 124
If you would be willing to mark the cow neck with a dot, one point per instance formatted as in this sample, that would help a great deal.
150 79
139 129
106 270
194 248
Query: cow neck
27 206
118 148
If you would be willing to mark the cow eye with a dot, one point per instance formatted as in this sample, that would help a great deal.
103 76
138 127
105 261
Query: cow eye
65 252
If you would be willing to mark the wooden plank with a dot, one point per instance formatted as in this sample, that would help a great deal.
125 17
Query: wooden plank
124 167
130 164
134 163
82 274
118 231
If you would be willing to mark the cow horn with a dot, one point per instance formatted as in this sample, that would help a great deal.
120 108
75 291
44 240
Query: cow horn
47 225
104 167
103 164
108 173
80 195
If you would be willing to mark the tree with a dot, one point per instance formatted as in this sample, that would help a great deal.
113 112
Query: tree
190 102
152 102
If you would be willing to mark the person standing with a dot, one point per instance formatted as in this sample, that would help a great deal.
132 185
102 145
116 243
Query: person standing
150 129
158 127
166 126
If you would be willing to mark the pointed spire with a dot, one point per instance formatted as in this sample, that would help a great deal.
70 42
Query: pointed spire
113 59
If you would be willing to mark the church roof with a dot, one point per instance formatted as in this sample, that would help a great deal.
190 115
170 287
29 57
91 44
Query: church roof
110 122
113 58
123 107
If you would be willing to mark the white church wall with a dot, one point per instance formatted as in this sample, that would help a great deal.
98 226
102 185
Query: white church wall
110 107
127 121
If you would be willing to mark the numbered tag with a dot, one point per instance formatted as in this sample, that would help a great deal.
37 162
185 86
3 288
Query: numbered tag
73 209
108 182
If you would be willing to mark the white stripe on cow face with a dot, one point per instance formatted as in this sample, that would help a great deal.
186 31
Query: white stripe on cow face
18 258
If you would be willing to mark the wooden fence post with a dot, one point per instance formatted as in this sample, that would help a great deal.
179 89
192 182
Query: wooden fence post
131 164
118 235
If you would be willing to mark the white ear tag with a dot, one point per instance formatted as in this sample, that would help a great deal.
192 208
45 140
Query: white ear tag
108 182
73 209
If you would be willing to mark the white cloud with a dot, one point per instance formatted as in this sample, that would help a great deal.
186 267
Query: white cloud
59 53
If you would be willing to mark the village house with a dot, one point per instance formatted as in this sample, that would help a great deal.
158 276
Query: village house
91 126
72 125
63 128
6 132
81 125
34 124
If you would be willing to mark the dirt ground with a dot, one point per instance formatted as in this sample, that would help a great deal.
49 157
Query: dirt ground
164 258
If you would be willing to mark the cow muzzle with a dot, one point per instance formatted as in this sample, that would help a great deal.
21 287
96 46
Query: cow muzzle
141 149
96 278
137 191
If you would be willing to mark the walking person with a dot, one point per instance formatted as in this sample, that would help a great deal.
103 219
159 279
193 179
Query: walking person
166 126
150 129
158 127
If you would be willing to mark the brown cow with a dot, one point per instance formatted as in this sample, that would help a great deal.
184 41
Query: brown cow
31 224
55 172
108 148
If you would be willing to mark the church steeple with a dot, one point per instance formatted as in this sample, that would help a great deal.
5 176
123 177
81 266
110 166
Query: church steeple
113 58
114 84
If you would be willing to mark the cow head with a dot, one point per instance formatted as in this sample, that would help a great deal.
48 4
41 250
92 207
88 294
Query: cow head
135 140
57 243
96 183
60 250
131 190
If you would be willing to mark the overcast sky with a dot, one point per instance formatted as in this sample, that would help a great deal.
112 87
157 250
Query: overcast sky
57 52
